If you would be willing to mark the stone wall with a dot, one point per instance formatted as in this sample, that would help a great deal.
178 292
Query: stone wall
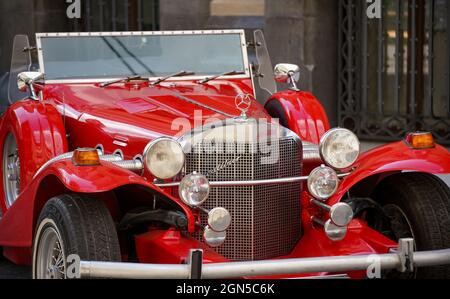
28 17
305 32
183 15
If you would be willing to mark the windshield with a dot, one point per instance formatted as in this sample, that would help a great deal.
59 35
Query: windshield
83 57
20 62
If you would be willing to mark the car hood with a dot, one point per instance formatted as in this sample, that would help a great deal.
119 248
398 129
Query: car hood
138 113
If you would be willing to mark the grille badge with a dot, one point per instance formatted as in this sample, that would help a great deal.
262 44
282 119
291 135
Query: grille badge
223 165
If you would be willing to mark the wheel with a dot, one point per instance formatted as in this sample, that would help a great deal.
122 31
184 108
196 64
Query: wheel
11 170
73 224
417 205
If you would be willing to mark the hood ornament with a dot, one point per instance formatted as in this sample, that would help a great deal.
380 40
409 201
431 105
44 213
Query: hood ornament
243 103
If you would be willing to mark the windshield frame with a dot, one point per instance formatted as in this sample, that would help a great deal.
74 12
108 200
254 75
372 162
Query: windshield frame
246 75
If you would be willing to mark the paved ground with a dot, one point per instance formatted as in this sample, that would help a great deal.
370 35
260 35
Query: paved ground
8 270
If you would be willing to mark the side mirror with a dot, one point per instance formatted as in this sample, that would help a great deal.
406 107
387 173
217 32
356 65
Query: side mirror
27 79
287 73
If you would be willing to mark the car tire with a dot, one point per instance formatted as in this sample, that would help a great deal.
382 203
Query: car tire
418 206
72 224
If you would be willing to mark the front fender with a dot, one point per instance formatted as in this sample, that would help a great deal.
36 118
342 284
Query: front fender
40 134
394 158
77 179
303 114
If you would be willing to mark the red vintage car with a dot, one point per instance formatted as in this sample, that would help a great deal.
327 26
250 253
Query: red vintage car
146 155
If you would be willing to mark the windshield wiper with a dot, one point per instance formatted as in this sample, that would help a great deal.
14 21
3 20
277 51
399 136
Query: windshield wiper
232 73
126 79
179 74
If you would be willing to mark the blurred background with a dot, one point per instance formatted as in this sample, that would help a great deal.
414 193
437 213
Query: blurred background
378 77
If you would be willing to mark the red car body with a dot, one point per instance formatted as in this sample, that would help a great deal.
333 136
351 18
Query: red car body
127 116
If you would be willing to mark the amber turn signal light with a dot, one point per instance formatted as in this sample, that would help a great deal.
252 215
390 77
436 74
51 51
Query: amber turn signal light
85 157
420 140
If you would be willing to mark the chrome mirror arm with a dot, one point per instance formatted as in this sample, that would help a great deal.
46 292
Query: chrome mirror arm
27 79
292 81
33 95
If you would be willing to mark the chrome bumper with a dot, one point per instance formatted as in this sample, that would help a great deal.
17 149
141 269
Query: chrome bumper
404 259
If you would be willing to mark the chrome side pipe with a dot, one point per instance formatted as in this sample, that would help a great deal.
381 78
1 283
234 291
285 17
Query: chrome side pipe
110 158
132 165
404 260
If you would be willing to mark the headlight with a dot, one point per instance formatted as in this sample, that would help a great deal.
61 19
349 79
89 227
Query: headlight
341 214
212 238
194 189
339 148
323 182
219 219
334 232
164 158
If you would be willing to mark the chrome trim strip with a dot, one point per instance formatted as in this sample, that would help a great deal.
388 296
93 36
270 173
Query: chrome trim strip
137 33
333 264
40 55
249 183
185 139
53 160
191 101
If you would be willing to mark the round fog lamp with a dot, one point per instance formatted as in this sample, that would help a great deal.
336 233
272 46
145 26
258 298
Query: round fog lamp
339 148
334 232
213 238
341 214
322 182
194 189
164 158
219 219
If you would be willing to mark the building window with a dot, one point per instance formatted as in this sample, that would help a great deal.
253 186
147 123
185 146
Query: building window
118 15
394 71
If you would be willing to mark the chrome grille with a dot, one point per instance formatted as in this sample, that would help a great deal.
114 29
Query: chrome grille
265 219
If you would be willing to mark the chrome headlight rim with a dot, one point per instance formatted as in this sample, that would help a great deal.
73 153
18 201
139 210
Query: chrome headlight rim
212 238
153 143
334 232
311 176
219 219
341 214
322 145
181 190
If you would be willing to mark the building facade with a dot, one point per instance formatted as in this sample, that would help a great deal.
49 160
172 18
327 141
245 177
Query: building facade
380 77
